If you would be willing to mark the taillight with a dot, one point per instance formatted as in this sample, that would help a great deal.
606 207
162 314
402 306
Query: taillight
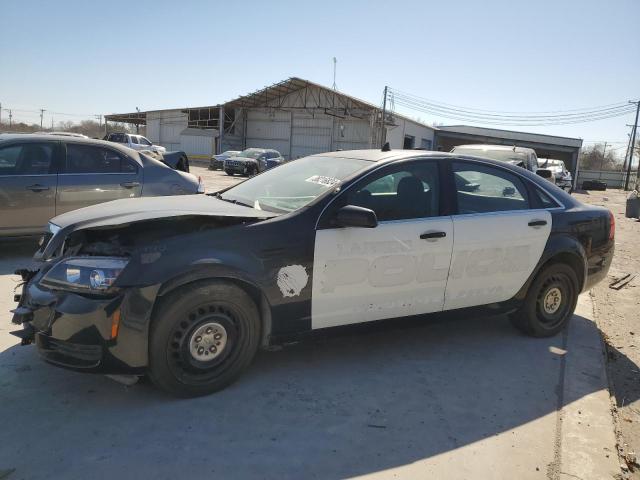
612 226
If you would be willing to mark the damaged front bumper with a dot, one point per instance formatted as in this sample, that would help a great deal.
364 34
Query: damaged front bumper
86 333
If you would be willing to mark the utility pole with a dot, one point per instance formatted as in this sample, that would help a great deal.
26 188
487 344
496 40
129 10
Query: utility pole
10 118
99 118
633 145
42 110
602 161
384 113
0 114
626 153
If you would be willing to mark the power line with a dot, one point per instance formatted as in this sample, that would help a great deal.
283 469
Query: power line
513 120
527 113
473 115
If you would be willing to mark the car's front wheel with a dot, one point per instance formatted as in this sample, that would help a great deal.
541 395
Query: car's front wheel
205 334
229 172
550 302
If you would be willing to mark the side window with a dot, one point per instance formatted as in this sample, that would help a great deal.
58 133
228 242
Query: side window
128 166
93 159
134 139
118 137
545 200
404 192
26 159
482 189
144 141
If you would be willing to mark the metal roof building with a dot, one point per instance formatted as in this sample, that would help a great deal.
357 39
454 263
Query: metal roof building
296 117
546 146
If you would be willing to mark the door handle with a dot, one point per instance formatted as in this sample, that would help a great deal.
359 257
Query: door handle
537 223
37 188
432 235
130 184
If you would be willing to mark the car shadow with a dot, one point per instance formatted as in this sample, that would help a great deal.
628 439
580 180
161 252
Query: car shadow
331 407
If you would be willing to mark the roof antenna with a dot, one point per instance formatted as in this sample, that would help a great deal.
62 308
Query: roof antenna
335 61
386 147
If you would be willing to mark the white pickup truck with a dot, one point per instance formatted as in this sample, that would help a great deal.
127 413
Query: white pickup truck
137 142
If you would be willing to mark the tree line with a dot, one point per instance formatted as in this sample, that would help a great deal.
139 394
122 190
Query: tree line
90 128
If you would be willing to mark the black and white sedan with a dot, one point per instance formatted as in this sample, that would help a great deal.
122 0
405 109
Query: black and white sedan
186 289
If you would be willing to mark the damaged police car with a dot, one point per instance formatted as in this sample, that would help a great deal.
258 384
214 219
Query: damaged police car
186 289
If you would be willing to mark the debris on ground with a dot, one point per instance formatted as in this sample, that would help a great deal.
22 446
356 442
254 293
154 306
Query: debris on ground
623 281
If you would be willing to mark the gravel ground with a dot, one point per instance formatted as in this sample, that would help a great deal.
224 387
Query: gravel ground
618 317
214 180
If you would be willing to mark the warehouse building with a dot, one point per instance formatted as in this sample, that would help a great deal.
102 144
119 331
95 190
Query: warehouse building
296 117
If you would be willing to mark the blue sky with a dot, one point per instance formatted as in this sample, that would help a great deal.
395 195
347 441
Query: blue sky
100 57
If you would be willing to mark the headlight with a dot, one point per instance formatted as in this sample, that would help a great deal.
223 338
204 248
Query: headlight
89 274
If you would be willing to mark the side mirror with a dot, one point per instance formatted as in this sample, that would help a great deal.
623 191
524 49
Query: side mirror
546 173
353 216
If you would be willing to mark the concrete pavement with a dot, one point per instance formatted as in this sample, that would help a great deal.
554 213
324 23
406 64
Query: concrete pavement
470 398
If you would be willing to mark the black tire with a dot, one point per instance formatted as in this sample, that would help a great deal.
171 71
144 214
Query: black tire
550 302
187 319
229 172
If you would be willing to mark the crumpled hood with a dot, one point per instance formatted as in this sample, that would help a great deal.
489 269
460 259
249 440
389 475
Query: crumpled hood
130 210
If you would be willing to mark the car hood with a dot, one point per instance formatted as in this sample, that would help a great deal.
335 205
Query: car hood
130 210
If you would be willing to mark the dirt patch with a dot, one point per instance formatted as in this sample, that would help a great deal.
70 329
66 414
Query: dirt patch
618 317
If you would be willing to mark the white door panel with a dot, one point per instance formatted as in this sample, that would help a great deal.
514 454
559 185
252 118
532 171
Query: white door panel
365 274
493 255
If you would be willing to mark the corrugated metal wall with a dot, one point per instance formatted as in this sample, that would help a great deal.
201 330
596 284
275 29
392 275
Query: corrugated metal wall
164 127
297 133
198 145
268 129
311 134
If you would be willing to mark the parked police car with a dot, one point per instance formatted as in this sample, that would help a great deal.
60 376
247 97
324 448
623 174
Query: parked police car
186 289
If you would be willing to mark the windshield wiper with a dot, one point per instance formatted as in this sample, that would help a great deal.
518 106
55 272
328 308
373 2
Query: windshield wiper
236 202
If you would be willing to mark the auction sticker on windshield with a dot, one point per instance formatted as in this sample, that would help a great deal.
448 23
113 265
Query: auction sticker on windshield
322 180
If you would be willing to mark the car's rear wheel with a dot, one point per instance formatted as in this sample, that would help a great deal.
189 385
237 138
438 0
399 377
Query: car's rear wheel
205 334
550 302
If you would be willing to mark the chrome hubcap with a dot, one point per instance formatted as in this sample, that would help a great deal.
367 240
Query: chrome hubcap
207 341
552 300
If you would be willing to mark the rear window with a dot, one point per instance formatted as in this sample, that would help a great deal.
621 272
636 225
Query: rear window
118 137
